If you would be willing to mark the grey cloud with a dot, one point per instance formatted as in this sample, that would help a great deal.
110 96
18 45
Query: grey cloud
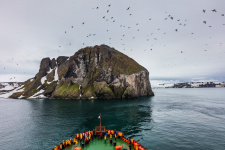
32 30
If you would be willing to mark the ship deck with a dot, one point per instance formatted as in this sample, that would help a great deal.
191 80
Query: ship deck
100 144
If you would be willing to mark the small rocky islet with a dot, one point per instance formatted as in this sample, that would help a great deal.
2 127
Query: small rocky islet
98 72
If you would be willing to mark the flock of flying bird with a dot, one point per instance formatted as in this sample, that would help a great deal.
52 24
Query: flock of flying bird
136 27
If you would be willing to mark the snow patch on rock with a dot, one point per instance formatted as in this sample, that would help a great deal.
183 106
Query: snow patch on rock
43 79
38 95
56 77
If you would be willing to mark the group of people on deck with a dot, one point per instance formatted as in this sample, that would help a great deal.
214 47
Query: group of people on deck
85 138
66 143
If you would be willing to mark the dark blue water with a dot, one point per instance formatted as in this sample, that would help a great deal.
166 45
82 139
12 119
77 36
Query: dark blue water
172 119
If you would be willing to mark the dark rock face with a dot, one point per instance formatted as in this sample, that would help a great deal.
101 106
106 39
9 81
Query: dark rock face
61 59
45 63
50 76
53 63
98 72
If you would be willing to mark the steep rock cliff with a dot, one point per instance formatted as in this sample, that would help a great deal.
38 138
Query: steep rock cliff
98 72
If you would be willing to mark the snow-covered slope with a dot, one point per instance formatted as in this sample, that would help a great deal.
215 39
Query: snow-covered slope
9 85
6 88
193 84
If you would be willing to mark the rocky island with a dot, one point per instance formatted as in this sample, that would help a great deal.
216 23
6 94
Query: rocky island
98 72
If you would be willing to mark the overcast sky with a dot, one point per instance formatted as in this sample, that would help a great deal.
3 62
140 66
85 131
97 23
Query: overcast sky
169 38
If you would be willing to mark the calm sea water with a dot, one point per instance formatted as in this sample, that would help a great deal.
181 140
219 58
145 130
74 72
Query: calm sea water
172 119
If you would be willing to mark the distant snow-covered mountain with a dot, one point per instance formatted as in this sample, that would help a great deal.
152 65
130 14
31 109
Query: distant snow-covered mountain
192 84
6 87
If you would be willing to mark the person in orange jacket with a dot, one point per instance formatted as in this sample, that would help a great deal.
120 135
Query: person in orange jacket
105 138
76 143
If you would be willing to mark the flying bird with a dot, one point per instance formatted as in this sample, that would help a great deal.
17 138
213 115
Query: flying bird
109 5
214 10
203 10
128 8
204 22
